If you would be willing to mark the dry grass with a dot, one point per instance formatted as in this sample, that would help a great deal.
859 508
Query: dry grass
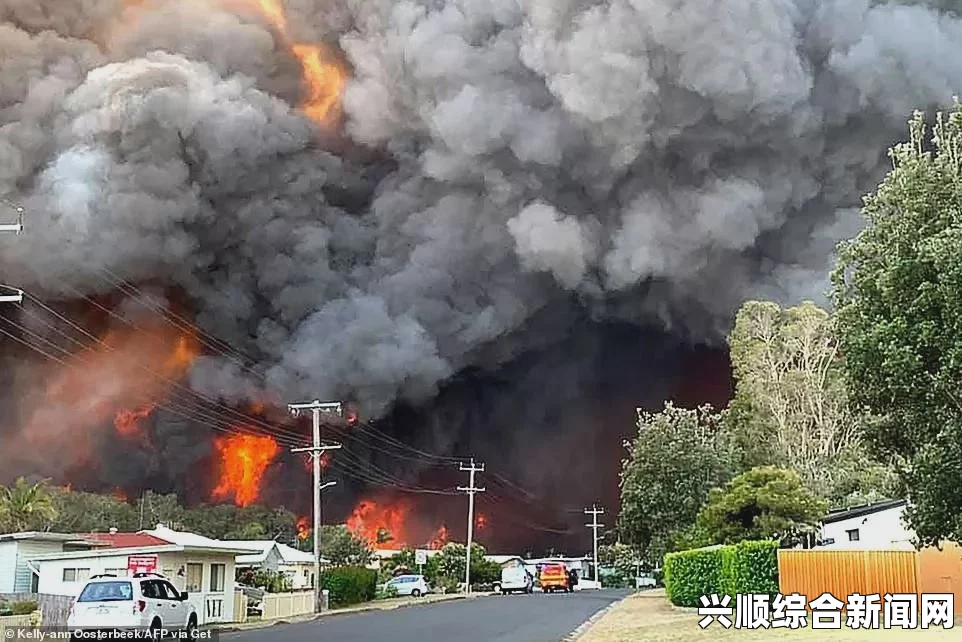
649 617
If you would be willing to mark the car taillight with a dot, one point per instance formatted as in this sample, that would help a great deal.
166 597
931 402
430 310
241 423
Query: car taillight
139 606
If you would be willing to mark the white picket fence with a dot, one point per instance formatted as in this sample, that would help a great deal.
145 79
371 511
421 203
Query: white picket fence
276 605
8 622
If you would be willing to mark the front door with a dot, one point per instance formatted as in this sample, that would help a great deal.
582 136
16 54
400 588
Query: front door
175 611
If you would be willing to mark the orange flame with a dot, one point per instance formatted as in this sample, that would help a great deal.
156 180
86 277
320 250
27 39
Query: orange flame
121 495
481 521
127 422
243 461
303 530
324 76
369 521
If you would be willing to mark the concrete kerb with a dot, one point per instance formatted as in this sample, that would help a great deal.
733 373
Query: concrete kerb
364 608
581 630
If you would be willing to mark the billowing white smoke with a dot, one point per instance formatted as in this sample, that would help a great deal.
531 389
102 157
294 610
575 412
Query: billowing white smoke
674 156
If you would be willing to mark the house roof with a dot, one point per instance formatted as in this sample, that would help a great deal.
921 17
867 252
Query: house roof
42 537
288 554
501 559
158 540
862 511
199 542
127 540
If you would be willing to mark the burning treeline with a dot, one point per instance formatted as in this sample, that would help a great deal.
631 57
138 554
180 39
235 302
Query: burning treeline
112 389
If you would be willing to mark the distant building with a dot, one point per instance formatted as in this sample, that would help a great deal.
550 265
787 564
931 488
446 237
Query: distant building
297 566
878 526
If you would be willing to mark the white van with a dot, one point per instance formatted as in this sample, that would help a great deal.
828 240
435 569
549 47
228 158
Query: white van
515 579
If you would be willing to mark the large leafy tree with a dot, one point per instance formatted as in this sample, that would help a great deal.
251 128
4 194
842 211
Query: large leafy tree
791 402
898 299
26 506
676 458
762 503
344 548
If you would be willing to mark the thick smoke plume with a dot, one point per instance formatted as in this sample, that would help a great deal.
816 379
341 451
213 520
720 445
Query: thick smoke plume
654 161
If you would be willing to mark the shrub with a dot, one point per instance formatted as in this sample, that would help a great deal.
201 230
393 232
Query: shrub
746 567
691 574
26 607
750 567
349 585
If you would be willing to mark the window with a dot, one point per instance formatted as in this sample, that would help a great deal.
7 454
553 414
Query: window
76 574
195 578
149 589
852 535
107 592
217 573
119 572
170 590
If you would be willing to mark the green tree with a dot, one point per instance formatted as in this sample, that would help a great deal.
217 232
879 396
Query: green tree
762 503
791 407
451 561
898 300
25 506
344 548
676 458
623 563
79 512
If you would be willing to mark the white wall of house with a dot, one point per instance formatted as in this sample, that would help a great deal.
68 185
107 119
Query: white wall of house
16 576
884 529
300 575
210 591
8 566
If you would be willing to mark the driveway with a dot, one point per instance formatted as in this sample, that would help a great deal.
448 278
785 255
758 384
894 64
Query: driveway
512 618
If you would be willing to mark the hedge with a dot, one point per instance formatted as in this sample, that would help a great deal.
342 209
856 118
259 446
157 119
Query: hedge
750 567
691 574
349 585
746 567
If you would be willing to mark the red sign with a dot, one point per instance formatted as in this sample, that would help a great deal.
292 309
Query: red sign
141 564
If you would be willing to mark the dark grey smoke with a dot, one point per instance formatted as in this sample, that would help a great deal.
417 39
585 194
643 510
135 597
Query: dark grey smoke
659 161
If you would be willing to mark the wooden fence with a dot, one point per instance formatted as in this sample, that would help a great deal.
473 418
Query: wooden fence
842 573
16 622
55 608
276 605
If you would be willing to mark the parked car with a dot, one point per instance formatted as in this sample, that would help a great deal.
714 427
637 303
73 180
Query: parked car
554 577
515 579
413 585
146 602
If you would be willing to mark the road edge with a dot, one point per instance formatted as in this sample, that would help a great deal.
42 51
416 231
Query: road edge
335 613
587 624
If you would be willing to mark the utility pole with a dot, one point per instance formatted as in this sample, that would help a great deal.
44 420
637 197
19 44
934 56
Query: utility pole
16 228
594 526
316 450
471 491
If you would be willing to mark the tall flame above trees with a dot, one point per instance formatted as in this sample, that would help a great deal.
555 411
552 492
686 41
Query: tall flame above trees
243 461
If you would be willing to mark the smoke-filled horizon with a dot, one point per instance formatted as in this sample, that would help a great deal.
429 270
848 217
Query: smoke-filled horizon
646 162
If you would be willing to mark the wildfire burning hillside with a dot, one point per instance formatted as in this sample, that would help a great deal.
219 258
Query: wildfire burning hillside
243 461
391 524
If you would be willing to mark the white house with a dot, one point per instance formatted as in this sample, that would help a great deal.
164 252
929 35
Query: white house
297 566
16 549
202 567
878 526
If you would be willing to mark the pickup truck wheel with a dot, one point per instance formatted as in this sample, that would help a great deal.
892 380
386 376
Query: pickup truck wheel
416 593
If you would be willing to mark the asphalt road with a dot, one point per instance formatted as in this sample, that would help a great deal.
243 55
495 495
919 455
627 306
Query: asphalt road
511 618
